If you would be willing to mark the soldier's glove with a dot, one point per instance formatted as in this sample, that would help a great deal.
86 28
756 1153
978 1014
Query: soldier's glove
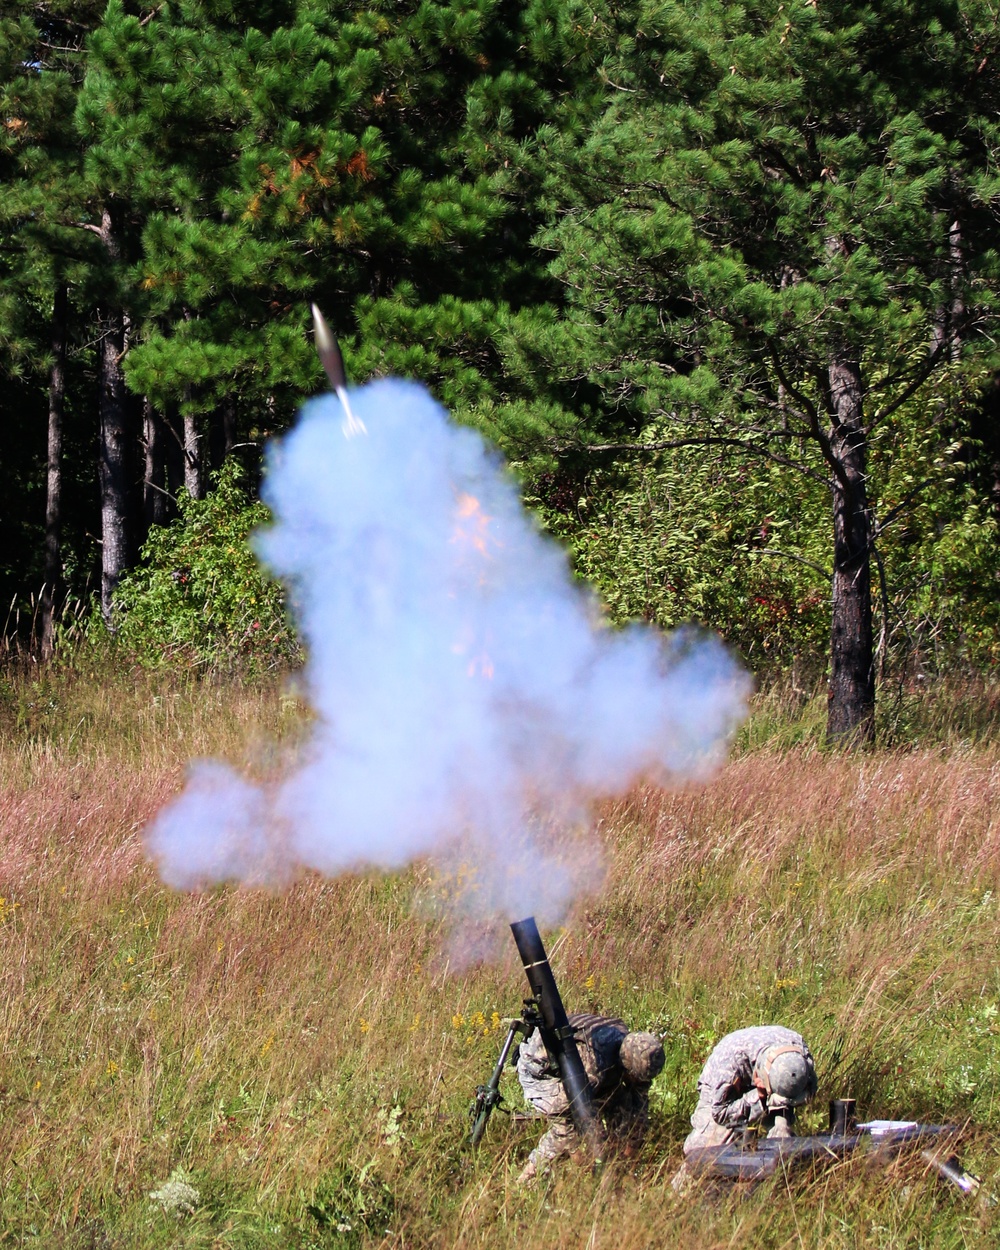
758 1108
781 1128
776 1102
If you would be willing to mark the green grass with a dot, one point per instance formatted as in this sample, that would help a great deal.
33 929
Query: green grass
306 1059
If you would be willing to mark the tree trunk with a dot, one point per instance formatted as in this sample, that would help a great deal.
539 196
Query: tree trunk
154 482
53 486
851 710
192 456
174 430
114 466
192 440
222 432
947 337
228 427
957 265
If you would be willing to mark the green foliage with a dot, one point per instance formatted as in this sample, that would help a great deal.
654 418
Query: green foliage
940 563
348 1206
41 249
743 548
321 152
760 196
684 538
600 232
248 163
199 596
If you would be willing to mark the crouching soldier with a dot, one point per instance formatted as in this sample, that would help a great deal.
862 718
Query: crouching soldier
620 1066
757 1075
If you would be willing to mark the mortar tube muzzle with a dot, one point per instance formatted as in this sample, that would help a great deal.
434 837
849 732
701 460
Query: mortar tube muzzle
843 1117
557 1033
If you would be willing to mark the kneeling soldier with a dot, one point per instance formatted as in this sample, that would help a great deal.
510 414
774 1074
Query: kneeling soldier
757 1075
620 1066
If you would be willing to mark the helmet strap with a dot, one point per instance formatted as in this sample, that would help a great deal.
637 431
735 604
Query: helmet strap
772 1055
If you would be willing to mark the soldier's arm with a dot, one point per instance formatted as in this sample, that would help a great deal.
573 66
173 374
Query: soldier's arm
731 1108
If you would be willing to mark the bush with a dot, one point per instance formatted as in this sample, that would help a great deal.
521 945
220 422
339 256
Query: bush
199 595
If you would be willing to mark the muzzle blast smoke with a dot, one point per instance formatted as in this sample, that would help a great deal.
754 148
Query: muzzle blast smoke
471 703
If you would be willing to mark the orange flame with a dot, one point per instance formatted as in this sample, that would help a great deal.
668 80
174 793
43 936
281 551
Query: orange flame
479 662
471 531
482 665
472 524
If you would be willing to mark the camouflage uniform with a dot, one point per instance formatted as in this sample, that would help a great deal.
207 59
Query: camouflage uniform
621 1105
727 1097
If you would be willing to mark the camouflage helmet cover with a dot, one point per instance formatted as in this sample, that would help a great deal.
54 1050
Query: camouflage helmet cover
642 1056
787 1075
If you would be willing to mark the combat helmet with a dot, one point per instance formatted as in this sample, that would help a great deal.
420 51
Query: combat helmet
641 1056
786 1073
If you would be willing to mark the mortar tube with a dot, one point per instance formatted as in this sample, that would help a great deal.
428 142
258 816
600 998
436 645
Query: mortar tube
557 1033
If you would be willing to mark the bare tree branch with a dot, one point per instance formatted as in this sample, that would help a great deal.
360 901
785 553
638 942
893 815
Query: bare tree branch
902 505
908 391
667 444
790 555
817 432
153 486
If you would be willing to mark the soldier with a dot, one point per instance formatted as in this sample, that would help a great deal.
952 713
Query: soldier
757 1075
620 1066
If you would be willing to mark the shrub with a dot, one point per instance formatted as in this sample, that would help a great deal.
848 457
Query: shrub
199 594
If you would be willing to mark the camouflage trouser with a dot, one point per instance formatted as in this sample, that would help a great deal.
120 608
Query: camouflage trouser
561 1138
623 1128
706 1132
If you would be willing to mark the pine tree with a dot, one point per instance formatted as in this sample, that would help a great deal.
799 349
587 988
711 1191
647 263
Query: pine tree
44 258
776 238
361 158
220 170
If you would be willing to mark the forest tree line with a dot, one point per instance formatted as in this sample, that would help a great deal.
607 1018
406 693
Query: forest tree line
719 278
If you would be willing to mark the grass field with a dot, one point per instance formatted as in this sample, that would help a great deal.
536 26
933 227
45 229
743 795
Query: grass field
305 1061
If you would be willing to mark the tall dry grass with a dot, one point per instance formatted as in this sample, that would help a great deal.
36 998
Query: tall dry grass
307 1059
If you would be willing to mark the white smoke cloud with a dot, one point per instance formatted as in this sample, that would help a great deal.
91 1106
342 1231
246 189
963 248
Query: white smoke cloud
471 704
